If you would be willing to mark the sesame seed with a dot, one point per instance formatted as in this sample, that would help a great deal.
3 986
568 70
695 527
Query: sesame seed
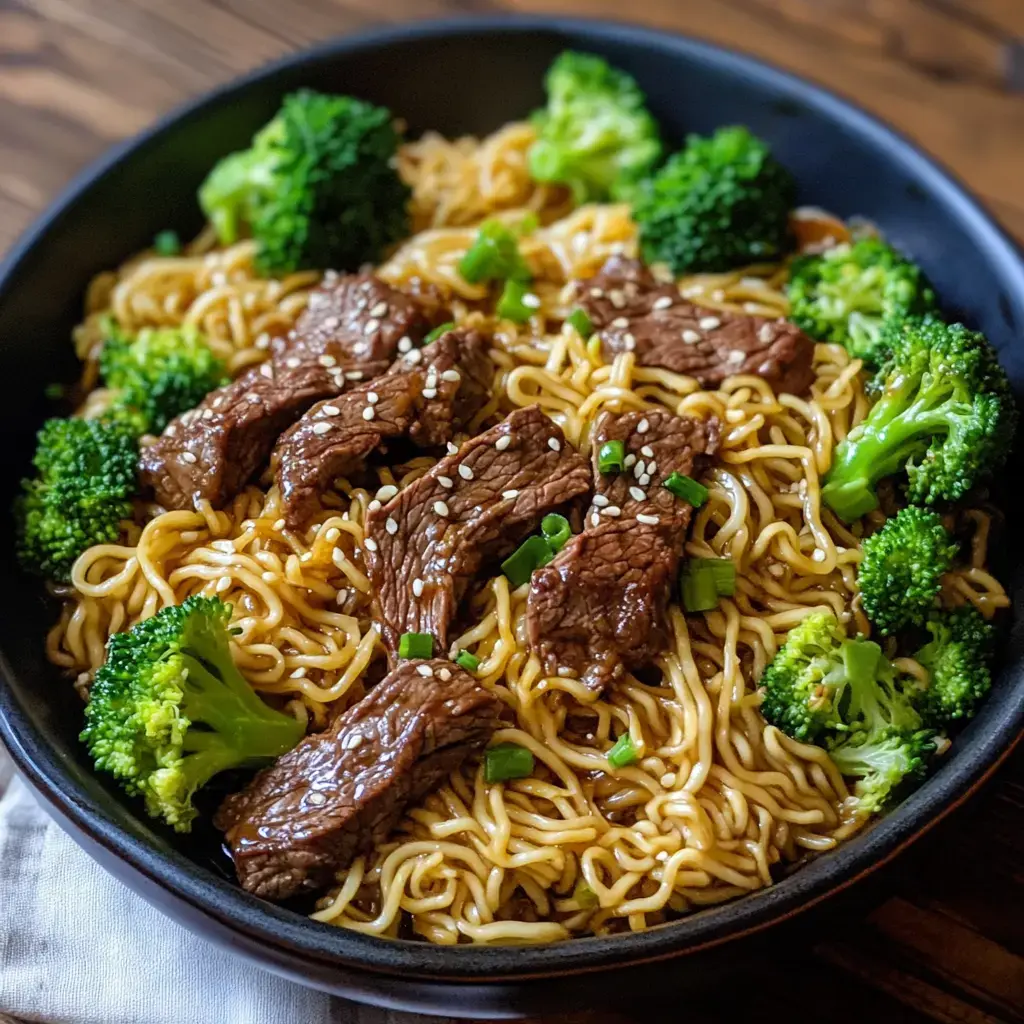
188 457
424 670
370 544
267 577
405 345
510 494
452 449
643 426
612 510
690 337
391 526
321 427
417 587
263 341
278 524
371 325
766 333
503 442
373 506
351 742
648 451
292 363
668 779
661 855
207 414
387 492
440 508
414 356
652 467
445 674
639 469
643 517
446 482
317 799
332 535
372 397
360 348
564 671
327 361
663 303
452 376
636 494
597 293
620 321
267 371
368 413
429 393
224 583
629 342
709 323
737 356
354 375
465 472
381 309
601 500
531 301
595 519
617 298
818 555
330 410
554 444
629 461
645 479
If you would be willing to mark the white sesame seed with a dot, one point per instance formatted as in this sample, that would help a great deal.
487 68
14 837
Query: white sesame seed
224 583
330 410
386 493
440 508
445 674
429 393
354 375
452 376
645 479
600 500
818 555
373 506
381 309
372 397
612 510
617 298
368 413
690 337
371 325
639 469
629 461
267 577
766 333
317 799
737 356
452 449
643 426
563 671
391 526
354 741
267 371
595 519
292 363
648 451
597 293
360 348
652 467
636 494
465 472
207 414
446 482
510 494
414 356
709 323
405 344
620 321
327 361
321 427
643 517
668 779
628 342
503 442
531 301
263 341
554 444
278 524
417 587
370 544
188 457
663 303
424 670
332 535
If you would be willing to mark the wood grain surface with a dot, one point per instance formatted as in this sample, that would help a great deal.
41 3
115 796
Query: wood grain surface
77 75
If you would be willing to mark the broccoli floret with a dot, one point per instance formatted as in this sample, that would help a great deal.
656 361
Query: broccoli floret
318 187
945 415
595 134
720 203
159 374
845 695
849 293
957 659
85 480
901 571
169 709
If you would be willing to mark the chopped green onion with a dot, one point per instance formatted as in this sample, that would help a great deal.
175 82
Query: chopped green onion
623 753
528 224
235 630
686 488
517 302
611 457
438 331
415 645
494 256
167 243
507 761
585 897
697 589
556 530
531 554
723 570
581 322
469 661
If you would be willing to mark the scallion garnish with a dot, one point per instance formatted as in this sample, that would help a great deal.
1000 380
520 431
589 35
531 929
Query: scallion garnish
517 302
723 570
469 661
556 531
623 753
582 323
507 761
415 645
611 457
531 554
494 256
585 897
687 488
697 589
167 243
438 331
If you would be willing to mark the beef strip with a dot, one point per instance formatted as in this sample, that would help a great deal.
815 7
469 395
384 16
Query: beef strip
340 792
425 545
635 312
426 396
350 331
599 607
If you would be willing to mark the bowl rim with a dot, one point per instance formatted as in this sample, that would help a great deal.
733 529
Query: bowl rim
329 945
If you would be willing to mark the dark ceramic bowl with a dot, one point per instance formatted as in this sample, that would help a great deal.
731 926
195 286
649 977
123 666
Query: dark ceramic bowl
469 76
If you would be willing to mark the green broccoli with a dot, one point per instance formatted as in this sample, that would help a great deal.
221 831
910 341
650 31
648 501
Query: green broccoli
318 187
595 134
158 374
945 414
901 571
169 709
85 480
845 695
719 203
957 659
849 293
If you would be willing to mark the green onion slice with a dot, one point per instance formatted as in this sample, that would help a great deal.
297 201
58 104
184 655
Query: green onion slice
507 761
469 661
584 896
697 589
556 531
611 457
494 256
582 323
723 571
415 645
531 554
686 488
438 331
167 243
623 753
517 302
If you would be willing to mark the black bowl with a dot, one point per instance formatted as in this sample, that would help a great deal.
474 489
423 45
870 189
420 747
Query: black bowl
469 76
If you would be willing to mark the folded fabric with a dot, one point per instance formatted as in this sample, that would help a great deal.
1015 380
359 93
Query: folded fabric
77 947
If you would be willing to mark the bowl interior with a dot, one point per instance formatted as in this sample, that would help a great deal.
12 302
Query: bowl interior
456 78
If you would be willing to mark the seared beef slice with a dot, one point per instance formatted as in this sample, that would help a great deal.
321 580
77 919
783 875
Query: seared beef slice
474 506
599 607
350 331
339 793
634 312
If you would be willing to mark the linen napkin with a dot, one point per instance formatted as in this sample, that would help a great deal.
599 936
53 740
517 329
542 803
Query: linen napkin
78 947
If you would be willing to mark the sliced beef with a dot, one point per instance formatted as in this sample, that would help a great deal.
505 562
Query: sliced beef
426 396
339 793
474 506
350 331
634 312
599 607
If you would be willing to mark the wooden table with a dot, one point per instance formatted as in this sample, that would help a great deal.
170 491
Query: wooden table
76 75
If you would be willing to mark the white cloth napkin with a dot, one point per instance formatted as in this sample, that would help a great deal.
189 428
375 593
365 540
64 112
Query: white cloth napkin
77 947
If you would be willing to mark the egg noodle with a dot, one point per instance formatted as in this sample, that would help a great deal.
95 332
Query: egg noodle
718 800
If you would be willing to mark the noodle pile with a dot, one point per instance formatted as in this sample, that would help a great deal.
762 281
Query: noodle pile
718 798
